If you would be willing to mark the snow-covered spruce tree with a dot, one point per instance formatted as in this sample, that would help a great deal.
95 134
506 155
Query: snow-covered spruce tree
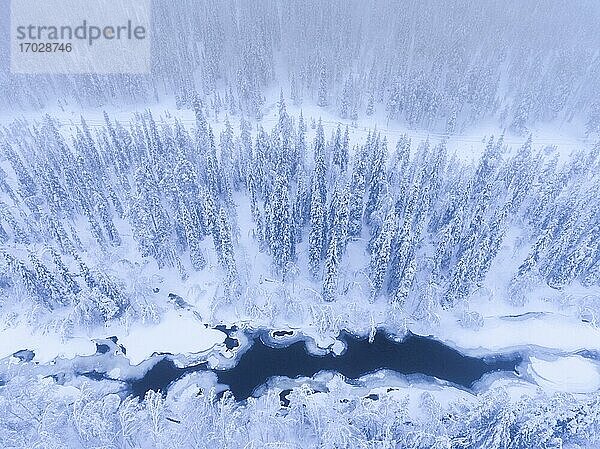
226 256
377 186
193 238
322 100
287 156
227 151
282 241
346 99
380 253
300 141
46 281
67 278
330 274
317 217
28 278
370 104
295 91
345 152
151 228
337 147
357 193
341 218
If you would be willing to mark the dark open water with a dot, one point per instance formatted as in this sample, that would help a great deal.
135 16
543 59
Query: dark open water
265 359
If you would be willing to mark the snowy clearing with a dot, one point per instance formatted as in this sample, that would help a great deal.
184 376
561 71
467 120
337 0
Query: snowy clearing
572 374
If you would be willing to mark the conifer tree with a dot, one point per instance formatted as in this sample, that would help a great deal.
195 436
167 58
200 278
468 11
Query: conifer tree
226 256
282 238
317 217
380 255
322 97
357 193
370 105
330 276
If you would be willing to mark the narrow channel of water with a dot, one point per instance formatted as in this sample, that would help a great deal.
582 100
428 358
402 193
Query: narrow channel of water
265 359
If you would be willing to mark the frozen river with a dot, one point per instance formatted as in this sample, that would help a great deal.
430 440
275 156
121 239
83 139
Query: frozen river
264 357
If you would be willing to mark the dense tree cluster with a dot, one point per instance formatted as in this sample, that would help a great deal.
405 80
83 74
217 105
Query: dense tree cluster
44 414
438 65
429 226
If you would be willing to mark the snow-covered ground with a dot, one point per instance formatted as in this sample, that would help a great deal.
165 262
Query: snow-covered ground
541 330
178 332
46 345
573 374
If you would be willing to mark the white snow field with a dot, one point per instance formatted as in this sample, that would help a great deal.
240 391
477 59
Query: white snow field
176 333
571 374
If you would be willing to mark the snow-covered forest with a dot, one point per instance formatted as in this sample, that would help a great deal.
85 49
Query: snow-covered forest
427 168
400 224
433 64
